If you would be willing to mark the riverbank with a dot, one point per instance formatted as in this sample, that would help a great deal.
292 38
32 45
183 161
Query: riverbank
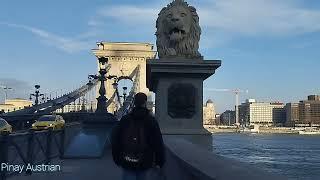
266 130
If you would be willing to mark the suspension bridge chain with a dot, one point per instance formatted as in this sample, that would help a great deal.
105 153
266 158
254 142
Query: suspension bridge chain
57 103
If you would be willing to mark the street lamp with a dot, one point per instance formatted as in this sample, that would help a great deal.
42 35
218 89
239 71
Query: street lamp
103 63
36 95
124 93
115 85
90 83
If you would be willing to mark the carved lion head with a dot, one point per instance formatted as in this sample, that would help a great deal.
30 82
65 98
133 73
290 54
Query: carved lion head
178 31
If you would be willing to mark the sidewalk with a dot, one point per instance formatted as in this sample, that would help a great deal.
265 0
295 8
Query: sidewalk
79 169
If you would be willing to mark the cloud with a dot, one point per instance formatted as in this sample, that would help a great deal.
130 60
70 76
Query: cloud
66 44
260 17
231 17
221 22
94 22
130 14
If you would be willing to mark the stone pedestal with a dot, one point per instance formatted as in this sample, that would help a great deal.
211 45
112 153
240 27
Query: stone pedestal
93 138
178 85
100 120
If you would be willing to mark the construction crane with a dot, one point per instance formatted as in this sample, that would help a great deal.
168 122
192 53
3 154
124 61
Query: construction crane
236 92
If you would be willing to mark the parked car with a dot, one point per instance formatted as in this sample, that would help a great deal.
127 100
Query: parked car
5 126
54 122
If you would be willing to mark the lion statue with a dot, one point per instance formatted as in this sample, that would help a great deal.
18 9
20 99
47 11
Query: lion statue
178 31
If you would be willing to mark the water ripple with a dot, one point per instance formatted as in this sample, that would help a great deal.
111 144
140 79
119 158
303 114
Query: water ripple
294 156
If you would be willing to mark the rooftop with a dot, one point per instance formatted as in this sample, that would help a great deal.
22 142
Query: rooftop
125 46
209 101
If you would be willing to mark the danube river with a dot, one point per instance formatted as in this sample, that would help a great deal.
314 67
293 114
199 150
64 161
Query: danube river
294 156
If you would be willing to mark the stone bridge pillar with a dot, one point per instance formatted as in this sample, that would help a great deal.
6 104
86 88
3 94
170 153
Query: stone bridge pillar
124 58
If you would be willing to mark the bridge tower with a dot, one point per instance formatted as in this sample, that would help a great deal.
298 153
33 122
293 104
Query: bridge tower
124 58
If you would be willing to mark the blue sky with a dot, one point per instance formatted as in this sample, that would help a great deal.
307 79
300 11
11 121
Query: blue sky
268 47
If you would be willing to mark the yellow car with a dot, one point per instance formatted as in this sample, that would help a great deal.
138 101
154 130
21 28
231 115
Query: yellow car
5 127
54 122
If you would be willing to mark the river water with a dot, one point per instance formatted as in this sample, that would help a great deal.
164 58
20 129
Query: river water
294 156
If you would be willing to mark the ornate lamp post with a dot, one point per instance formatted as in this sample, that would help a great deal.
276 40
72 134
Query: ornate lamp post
95 123
102 100
36 95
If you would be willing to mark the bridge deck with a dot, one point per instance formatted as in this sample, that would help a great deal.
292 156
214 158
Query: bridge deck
81 169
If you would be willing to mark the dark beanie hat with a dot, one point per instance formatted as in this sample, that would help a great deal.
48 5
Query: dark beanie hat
140 98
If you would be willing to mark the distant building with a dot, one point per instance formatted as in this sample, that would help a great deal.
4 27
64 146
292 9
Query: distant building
278 113
228 118
14 105
313 98
262 113
218 121
251 101
309 110
292 114
209 113
244 114
304 113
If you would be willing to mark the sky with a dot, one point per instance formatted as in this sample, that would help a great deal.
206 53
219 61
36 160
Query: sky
268 47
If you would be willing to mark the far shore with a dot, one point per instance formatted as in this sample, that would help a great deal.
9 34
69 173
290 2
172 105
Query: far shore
262 130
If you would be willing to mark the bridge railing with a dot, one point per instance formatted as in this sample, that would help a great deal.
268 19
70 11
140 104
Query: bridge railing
34 147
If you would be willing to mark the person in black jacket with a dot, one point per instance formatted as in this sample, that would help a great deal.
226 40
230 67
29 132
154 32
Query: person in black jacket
137 144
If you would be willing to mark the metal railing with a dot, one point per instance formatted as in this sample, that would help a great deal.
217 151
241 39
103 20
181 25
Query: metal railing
33 147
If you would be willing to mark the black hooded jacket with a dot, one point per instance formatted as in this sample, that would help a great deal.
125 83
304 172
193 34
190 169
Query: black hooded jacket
152 133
